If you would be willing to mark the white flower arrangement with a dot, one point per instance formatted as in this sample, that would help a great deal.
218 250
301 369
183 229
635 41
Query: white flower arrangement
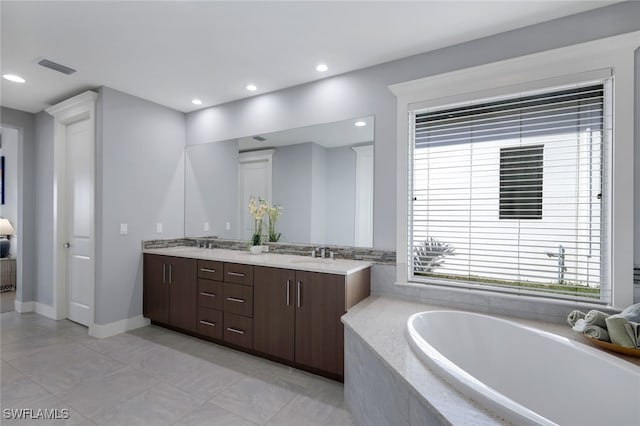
257 209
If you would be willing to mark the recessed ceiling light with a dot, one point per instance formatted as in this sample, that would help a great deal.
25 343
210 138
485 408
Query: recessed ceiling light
196 102
322 68
360 124
14 78
251 87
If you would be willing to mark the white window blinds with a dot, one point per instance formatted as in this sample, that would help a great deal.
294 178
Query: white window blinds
508 193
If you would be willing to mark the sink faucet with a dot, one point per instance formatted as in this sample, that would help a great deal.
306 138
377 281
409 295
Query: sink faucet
318 252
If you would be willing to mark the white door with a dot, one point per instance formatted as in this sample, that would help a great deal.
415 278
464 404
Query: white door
79 221
254 179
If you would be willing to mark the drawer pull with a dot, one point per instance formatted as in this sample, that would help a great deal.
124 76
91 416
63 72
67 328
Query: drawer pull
235 330
235 274
213 271
233 299
288 292
204 293
211 324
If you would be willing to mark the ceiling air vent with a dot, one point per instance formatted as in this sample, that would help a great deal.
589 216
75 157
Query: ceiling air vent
56 67
260 138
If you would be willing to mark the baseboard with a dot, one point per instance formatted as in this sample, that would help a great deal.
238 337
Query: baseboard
23 307
102 331
37 307
45 310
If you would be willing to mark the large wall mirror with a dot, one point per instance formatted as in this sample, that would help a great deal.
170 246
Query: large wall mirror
321 175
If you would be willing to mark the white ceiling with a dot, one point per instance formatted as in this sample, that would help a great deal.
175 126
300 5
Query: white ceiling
171 52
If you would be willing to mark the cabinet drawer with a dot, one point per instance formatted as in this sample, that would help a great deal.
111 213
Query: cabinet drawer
238 330
238 274
209 323
238 299
210 294
210 270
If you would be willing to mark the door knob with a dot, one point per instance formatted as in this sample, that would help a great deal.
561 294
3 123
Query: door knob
67 245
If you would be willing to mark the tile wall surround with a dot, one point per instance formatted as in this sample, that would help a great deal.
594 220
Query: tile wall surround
382 257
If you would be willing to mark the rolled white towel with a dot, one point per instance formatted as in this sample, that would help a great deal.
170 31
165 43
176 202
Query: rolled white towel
575 316
597 332
598 318
633 330
617 331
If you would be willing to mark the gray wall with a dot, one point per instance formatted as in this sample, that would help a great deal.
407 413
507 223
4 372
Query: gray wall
9 210
341 192
24 123
291 181
44 166
365 92
139 181
211 189
318 194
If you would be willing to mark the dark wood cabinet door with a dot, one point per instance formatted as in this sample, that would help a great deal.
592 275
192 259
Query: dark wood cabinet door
274 311
319 333
155 304
183 293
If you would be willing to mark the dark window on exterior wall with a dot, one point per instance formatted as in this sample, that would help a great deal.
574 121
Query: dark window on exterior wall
521 182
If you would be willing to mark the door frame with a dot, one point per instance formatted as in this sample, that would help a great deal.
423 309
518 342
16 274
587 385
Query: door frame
77 108
265 155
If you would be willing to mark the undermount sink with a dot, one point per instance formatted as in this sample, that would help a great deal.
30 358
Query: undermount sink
312 260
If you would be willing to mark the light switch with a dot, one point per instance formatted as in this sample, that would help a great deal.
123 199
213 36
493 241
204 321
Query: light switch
123 229
206 226
228 226
159 228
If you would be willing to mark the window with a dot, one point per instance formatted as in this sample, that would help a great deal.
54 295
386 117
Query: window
521 182
506 193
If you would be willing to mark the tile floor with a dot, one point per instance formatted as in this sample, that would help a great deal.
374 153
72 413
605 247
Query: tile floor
153 376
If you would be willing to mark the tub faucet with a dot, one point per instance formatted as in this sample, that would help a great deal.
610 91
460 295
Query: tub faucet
561 268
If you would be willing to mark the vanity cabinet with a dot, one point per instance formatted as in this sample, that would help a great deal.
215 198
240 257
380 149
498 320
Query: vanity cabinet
291 316
170 291
274 312
225 302
297 315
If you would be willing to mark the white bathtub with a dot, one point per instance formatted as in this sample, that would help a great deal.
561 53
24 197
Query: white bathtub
526 375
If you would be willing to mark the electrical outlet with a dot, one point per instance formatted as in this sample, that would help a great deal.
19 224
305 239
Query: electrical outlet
228 226
206 226
123 229
159 227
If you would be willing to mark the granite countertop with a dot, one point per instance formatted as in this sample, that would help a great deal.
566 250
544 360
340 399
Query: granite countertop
299 263
381 323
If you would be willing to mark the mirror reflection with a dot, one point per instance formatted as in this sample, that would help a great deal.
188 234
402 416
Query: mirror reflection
321 176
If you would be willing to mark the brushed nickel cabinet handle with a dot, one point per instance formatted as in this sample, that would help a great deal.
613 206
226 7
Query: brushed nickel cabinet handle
210 324
235 274
288 292
299 295
164 273
204 293
235 330
233 299
170 273
208 270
